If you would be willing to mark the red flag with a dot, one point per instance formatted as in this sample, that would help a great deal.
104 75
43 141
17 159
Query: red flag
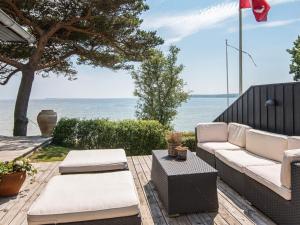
244 4
260 10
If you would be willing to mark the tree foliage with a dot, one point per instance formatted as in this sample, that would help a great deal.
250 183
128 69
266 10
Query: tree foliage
295 61
102 33
159 87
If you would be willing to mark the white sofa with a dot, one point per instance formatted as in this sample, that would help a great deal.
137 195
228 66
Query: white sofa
255 163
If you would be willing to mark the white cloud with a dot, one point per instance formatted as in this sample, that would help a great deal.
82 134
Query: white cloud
181 26
276 23
177 27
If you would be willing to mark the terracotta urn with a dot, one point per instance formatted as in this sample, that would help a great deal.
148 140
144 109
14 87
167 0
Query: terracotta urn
10 184
47 121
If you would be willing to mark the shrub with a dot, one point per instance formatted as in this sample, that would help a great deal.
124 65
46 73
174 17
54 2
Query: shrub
137 137
189 140
65 133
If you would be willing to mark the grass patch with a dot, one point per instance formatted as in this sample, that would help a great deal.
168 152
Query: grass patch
50 153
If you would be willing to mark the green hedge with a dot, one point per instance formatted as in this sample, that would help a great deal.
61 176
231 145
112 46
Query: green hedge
189 140
137 137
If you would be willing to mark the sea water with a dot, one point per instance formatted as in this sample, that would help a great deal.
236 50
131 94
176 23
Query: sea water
195 110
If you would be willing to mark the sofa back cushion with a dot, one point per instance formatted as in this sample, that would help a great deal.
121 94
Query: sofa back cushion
294 142
212 132
237 134
289 157
266 144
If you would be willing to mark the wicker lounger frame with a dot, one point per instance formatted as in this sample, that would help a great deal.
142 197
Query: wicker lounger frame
129 220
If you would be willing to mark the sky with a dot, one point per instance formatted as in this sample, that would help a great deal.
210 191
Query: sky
199 28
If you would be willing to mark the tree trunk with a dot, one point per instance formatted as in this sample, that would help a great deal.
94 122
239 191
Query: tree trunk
20 116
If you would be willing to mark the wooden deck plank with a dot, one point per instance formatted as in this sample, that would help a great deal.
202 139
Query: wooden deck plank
233 209
21 214
10 210
144 205
12 148
153 204
182 220
241 204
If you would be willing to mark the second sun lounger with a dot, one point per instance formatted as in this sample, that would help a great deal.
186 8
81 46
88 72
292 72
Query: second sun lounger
98 198
98 160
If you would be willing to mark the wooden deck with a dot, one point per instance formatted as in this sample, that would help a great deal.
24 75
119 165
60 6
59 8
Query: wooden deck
15 147
233 210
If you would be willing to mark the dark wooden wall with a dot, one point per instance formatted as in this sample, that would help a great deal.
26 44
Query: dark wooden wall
282 118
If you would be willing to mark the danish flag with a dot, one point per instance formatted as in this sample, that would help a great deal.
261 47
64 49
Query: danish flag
260 8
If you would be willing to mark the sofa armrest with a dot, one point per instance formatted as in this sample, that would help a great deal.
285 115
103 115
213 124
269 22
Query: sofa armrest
212 132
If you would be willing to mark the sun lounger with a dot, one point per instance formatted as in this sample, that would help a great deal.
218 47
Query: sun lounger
98 198
85 161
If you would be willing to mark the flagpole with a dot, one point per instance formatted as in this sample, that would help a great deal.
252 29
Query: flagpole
240 51
227 76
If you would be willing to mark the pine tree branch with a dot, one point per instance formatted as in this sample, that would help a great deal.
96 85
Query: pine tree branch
7 78
10 62
56 62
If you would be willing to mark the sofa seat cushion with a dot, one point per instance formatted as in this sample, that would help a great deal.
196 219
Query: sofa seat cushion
289 157
84 197
211 147
269 176
293 142
237 134
83 161
240 159
266 144
216 132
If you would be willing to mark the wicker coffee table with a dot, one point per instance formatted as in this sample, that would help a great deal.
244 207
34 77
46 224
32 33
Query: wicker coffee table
184 186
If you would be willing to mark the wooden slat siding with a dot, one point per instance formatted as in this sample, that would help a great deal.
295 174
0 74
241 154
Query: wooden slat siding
263 108
250 109
288 110
226 116
221 117
257 112
230 114
271 110
279 97
245 108
235 112
296 110
240 110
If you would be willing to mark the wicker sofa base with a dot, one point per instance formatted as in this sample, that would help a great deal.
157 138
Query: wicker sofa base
232 177
281 211
206 156
129 220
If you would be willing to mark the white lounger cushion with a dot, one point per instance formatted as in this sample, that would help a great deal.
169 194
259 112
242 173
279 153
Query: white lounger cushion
240 159
211 147
84 197
237 134
212 132
289 157
265 144
83 161
269 176
293 142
